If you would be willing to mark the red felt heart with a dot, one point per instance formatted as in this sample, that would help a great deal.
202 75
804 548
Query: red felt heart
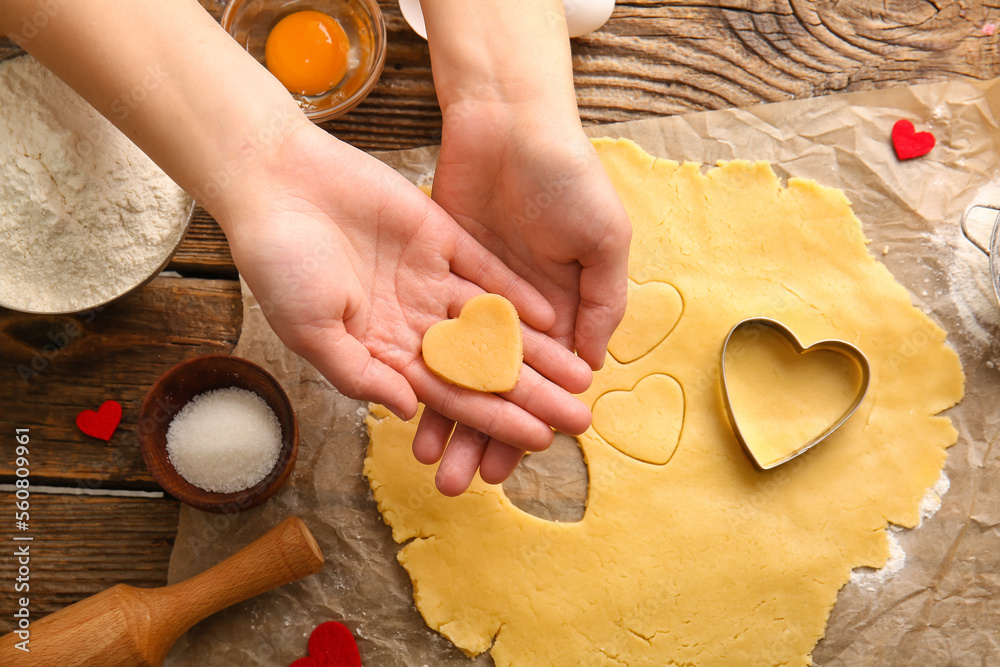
101 424
331 644
908 142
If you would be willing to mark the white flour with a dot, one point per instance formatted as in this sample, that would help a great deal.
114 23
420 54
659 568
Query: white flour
970 290
969 282
84 214
871 579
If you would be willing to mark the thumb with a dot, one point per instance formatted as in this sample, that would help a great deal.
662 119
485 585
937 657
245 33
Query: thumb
603 288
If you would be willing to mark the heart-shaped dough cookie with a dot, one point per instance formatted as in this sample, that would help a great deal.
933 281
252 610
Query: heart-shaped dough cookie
480 349
653 310
645 422
782 397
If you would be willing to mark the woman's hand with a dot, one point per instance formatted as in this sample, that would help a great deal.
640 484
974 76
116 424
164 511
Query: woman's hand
352 264
537 197
517 172
531 188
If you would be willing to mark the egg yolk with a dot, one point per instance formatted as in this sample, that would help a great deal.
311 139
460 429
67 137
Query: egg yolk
307 52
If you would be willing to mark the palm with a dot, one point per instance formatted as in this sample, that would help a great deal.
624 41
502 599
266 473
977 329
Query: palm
352 264
542 202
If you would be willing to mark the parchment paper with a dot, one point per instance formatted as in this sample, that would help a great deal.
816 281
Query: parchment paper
942 607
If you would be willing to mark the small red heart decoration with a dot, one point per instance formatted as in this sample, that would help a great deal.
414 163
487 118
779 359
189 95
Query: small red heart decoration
908 142
101 424
331 644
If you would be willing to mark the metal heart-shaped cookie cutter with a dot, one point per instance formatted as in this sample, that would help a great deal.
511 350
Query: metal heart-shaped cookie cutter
833 345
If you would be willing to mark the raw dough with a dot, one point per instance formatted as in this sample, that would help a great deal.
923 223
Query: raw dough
480 349
655 409
704 560
654 308
783 399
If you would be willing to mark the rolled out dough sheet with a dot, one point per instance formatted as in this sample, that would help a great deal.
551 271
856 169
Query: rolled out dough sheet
685 553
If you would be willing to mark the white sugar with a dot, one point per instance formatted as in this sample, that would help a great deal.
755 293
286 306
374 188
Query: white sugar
224 440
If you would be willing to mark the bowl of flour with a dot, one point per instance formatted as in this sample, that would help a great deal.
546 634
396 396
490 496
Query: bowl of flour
85 216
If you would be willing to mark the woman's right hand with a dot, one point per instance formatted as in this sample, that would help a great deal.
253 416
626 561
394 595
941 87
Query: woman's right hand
352 264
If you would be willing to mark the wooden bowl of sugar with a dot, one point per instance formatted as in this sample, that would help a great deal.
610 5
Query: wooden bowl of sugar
218 433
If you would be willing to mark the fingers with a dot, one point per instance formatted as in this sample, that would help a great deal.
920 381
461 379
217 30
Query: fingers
549 403
472 448
467 450
432 435
477 265
523 417
348 365
489 413
499 461
552 360
603 286
461 460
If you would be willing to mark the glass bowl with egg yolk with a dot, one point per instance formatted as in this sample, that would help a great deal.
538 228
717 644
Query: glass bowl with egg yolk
329 54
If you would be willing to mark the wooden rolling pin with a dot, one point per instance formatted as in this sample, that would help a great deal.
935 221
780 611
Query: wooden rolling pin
130 626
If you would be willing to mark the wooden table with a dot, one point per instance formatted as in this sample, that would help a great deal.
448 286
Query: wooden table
651 59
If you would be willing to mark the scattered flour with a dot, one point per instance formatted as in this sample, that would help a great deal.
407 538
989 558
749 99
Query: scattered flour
84 214
969 283
224 440
931 502
970 290
871 579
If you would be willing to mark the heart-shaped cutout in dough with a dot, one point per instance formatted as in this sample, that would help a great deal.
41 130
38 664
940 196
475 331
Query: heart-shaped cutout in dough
644 422
653 310
782 397
481 349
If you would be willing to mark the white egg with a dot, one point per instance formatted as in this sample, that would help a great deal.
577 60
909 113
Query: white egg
582 16
414 16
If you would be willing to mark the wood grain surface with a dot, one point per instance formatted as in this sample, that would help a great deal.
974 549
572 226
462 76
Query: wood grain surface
84 544
55 366
651 59
204 251
664 58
